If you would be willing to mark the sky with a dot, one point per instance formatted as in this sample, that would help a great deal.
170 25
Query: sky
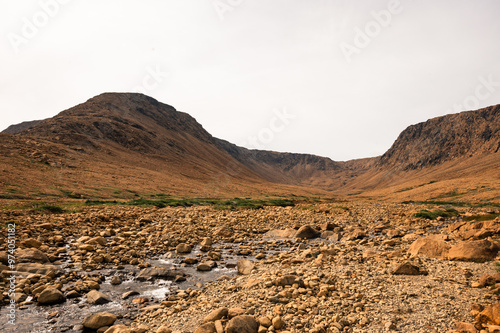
332 78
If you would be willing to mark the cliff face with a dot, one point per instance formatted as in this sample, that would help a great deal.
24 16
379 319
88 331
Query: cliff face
442 139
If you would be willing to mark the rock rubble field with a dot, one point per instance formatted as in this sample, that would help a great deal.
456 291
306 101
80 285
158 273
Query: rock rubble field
313 267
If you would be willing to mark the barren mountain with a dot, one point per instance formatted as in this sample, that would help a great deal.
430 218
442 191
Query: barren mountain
130 143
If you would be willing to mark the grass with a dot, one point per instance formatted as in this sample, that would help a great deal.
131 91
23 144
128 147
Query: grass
480 218
218 203
50 209
432 215
453 203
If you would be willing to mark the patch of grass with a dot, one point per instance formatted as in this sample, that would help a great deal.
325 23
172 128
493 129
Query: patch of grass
480 218
432 215
50 209
12 190
452 203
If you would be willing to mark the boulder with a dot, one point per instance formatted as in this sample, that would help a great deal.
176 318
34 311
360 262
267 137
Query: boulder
490 315
31 255
31 242
477 251
245 266
98 320
42 269
118 329
277 233
407 268
183 248
163 329
216 315
242 324
286 280
97 241
307 232
206 328
433 246
159 273
51 296
96 297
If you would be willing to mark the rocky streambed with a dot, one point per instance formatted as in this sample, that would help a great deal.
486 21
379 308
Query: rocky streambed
359 267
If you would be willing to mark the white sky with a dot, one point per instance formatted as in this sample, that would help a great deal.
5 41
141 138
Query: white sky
232 64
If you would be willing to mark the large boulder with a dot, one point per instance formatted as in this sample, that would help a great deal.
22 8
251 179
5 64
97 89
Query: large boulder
159 273
206 328
183 248
490 315
245 266
98 320
51 296
434 246
31 255
477 251
307 232
242 324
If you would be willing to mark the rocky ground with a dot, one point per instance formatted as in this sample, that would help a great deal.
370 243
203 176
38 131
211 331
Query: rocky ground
336 267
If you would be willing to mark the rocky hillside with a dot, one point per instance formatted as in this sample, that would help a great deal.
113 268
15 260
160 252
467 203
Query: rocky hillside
442 139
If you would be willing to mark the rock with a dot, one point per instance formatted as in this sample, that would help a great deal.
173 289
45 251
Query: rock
245 266
286 280
265 321
407 268
234 312
224 232
206 328
465 328
477 251
159 273
164 329
216 315
95 297
73 294
31 242
97 241
433 246
278 323
204 267
287 233
35 268
207 241
115 280
242 324
129 294
118 329
490 315
31 255
183 248
307 232
51 296
98 320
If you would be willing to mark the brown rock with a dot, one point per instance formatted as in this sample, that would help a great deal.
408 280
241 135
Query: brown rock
183 248
407 268
234 312
477 251
95 297
433 246
465 327
31 255
206 328
490 315
278 323
245 266
307 232
286 280
51 296
98 320
242 324
118 329
216 315
164 329
31 242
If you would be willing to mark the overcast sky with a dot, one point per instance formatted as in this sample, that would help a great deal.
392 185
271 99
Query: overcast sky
333 78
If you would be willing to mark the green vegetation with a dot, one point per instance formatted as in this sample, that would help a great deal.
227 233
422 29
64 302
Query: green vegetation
479 218
51 209
432 215
218 203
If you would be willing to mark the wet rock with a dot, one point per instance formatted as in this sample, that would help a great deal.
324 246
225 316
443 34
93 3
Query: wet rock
245 266
408 268
307 232
433 246
206 328
183 248
159 273
98 320
51 296
216 315
73 294
129 294
95 297
242 324
115 280
204 267
477 251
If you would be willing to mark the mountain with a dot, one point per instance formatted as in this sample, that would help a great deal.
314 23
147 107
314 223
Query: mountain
119 144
